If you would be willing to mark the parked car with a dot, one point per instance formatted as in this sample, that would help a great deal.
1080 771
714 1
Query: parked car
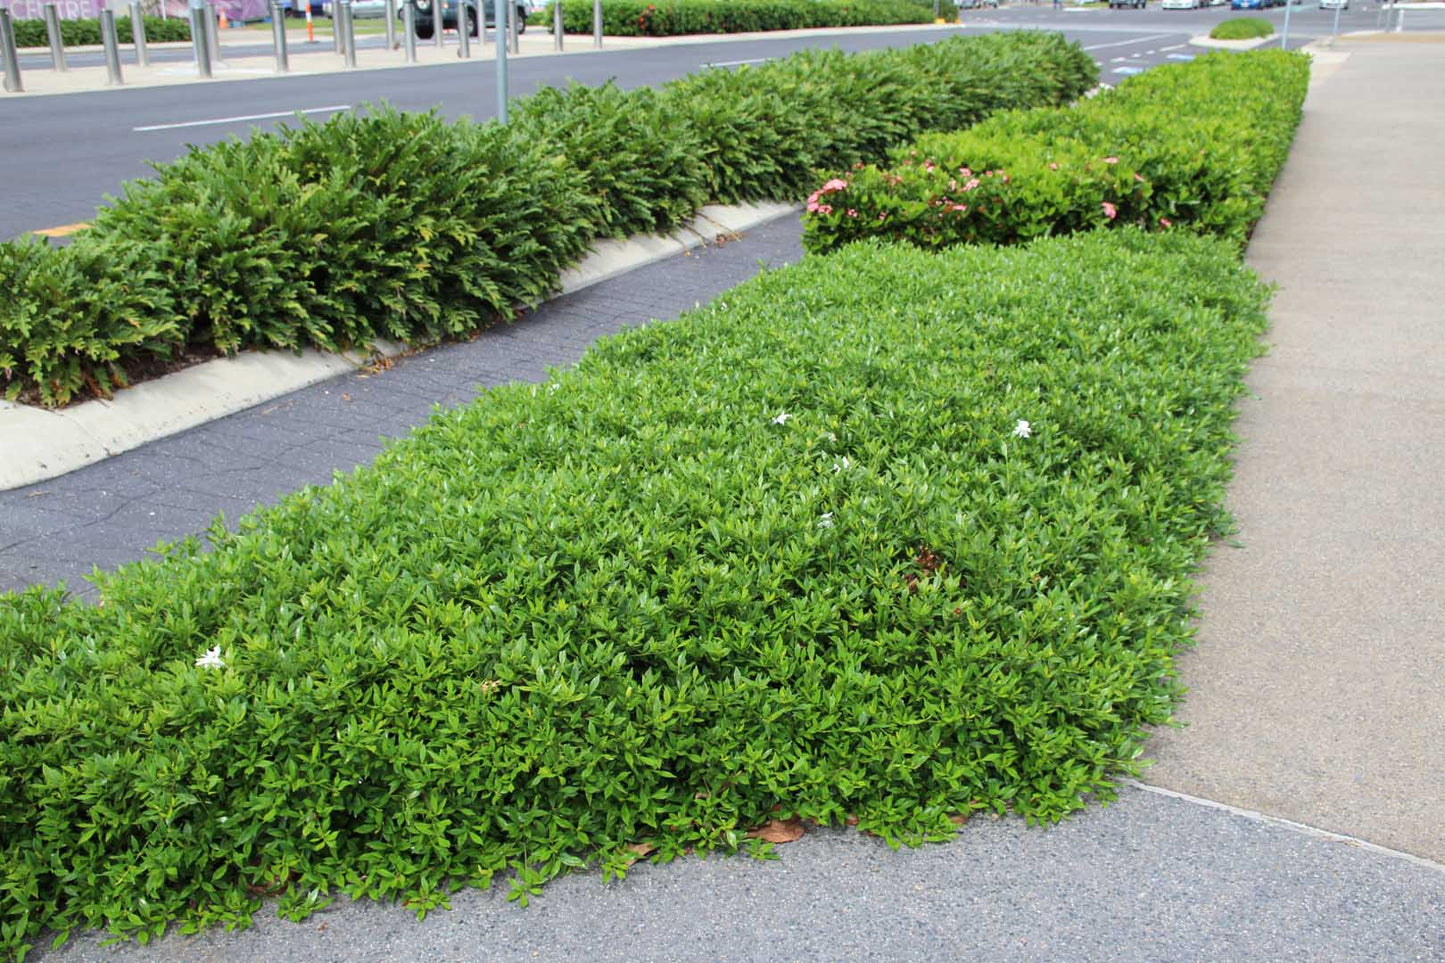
1250 4
977 4
1120 4
426 21
1332 4
1180 5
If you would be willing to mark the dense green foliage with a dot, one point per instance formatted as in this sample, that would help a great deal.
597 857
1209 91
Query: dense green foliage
410 228
666 18
795 554
1242 28
31 33
1193 146
640 159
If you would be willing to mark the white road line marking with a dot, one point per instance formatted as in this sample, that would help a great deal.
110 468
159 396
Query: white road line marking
738 63
1118 60
1128 70
236 120
1259 817
1135 42
1181 56
1175 47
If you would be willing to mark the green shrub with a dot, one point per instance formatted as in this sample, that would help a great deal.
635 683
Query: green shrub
333 234
788 556
31 33
636 18
639 158
766 129
1242 28
1193 146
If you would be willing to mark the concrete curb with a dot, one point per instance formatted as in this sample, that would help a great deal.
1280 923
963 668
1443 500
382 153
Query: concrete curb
40 443
1208 41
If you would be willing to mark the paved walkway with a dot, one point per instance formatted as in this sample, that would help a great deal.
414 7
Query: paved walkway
1318 686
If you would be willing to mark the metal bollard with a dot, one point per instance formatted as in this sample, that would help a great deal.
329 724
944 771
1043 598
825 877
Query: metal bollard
1284 36
597 24
348 34
503 28
57 40
199 43
112 49
408 29
278 37
334 9
438 30
464 34
514 35
213 33
390 24
8 56
138 34
557 24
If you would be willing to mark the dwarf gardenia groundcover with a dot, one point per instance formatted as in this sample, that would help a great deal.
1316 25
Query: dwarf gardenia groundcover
889 535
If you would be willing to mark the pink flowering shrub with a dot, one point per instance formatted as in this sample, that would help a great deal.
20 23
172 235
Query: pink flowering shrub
1185 147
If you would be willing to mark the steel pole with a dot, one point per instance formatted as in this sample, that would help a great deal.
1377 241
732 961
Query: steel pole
138 34
464 33
439 21
408 29
111 44
199 42
1335 31
1284 37
278 38
597 24
557 24
503 14
8 56
514 27
56 38
213 32
348 36
390 24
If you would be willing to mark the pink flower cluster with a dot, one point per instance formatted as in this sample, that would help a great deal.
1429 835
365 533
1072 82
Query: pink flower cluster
833 186
1110 211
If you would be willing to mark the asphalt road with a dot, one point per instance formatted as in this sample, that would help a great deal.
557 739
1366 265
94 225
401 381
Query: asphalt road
61 155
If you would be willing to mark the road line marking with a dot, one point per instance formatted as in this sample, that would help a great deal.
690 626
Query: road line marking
1134 42
1181 56
1128 70
1256 816
1175 47
1118 60
738 63
64 230
244 117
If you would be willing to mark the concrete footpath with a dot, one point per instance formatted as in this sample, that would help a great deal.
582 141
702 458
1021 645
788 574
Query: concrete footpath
1317 688
1317 691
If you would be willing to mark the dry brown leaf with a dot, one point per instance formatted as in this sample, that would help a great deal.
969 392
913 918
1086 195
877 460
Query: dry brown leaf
778 831
641 850
958 819
851 820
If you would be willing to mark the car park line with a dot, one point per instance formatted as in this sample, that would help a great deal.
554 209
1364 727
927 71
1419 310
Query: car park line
1133 42
244 117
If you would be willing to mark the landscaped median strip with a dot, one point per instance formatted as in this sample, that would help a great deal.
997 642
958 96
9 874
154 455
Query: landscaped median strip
888 535
41 443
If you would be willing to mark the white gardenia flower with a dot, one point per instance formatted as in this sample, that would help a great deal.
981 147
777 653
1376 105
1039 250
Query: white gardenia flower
842 464
1023 429
211 660
782 418
826 521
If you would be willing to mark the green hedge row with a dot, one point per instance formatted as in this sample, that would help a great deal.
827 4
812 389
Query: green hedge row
1193 146
889 534
667 18
406 227
31 33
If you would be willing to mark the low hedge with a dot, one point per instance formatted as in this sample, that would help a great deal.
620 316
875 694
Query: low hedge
1193 146
667 18
31 33
1242 28
887 535
406 227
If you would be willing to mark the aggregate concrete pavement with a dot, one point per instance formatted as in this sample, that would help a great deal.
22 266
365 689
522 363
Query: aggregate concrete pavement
1149 878
1318 686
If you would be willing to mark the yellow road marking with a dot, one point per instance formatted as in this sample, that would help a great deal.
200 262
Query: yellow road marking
63 230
